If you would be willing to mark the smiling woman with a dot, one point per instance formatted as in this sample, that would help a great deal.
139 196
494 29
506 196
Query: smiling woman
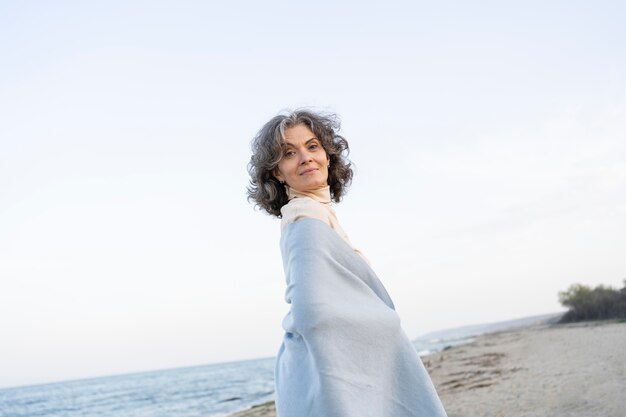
269 192
344 352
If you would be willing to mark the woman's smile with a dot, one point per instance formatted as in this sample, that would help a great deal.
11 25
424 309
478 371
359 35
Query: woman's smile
309 171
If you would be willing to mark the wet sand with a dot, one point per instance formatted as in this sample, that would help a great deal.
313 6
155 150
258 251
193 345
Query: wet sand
573 370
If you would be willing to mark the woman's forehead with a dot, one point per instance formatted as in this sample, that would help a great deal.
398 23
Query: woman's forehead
298 135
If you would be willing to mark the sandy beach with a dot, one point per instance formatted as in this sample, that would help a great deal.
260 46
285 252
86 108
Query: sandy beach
571 370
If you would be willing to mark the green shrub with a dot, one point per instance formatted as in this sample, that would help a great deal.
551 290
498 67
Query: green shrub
586 303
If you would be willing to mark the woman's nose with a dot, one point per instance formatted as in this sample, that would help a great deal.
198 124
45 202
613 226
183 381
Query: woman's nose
305 156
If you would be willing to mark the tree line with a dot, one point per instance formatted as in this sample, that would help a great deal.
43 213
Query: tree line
599 303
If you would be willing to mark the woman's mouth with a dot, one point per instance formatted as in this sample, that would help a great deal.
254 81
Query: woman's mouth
308 171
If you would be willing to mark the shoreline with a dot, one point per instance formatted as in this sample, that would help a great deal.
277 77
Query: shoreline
574 369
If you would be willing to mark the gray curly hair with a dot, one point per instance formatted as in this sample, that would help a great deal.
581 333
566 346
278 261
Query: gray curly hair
267 150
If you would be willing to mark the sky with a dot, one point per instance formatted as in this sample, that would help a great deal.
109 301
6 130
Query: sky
487 139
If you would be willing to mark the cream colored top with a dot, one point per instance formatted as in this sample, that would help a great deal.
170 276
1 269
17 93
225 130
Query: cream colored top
314 204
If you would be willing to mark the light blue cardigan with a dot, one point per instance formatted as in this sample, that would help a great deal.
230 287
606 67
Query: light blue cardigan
344 353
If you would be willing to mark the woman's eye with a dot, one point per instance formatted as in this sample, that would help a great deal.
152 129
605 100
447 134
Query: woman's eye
313 147
289 154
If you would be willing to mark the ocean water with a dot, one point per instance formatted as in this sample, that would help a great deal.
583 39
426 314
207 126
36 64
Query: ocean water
202 391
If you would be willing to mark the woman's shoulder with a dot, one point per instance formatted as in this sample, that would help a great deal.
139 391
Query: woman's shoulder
304 208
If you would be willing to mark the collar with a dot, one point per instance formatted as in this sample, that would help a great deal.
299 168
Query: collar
321 195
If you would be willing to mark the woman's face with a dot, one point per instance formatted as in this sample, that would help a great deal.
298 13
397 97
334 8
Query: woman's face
304 165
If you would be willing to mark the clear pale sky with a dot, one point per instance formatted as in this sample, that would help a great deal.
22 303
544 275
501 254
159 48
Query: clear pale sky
489 143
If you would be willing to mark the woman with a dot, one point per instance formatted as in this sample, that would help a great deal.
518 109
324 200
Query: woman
344 353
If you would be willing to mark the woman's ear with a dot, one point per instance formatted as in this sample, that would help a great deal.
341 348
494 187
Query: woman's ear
276 173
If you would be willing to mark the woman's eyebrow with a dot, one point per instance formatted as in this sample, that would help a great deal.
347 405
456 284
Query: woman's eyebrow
289 144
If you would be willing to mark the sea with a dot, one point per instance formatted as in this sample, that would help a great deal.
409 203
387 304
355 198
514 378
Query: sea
215 390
